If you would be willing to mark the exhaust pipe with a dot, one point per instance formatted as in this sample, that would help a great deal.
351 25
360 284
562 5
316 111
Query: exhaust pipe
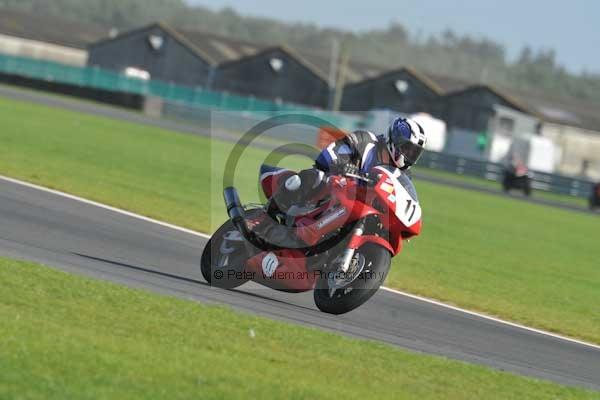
237 215
235 211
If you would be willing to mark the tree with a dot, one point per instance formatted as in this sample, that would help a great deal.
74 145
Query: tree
526 56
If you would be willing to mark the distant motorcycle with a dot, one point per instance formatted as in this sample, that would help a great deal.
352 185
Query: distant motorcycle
350 235
595 197
517 177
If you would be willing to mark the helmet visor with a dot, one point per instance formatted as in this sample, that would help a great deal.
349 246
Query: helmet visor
411 152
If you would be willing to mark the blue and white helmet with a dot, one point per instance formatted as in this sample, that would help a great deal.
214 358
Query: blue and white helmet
405 141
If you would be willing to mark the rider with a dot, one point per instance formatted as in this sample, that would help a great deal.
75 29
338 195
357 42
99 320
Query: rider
357 153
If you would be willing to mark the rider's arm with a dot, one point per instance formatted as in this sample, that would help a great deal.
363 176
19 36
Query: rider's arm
358 149
334 157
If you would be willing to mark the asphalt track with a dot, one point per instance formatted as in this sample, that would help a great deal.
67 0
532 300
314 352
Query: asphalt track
86 239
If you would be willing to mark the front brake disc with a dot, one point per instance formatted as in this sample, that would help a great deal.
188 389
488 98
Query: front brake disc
340 280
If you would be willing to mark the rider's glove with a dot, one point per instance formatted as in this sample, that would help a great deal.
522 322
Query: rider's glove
350 169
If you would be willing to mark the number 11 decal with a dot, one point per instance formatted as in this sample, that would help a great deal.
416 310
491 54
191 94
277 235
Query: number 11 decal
414 209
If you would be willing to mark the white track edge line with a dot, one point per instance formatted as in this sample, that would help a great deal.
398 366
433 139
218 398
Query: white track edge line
490 318
205 236
104 206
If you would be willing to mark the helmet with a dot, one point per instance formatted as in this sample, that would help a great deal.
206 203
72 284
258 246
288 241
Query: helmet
405 141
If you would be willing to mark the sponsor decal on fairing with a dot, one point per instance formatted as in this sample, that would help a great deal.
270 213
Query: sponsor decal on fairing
270 264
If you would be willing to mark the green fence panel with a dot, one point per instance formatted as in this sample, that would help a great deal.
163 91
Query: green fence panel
196 97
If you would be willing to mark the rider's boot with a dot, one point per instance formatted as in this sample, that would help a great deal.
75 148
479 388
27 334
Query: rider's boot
274 234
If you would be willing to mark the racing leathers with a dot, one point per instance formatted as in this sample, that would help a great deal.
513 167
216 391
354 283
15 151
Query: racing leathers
356 153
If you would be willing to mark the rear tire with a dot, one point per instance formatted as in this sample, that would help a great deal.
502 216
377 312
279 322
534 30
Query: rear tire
377 266
527 189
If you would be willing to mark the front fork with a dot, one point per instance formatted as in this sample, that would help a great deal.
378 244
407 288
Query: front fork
348 255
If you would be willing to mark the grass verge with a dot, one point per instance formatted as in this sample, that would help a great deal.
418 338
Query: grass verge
486 184
70 337
524 262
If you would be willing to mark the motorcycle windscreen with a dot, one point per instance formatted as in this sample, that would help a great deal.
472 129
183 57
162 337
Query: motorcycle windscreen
407 184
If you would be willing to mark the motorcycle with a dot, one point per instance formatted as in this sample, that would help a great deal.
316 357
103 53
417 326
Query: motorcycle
517 176
351 235
594 200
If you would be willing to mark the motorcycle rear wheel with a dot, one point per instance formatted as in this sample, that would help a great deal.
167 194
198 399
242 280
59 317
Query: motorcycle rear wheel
352 296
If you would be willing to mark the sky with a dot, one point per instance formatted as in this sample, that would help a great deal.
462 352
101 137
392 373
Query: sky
572 28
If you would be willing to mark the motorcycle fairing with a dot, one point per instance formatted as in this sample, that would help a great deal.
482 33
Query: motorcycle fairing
271 178
282 270
396 190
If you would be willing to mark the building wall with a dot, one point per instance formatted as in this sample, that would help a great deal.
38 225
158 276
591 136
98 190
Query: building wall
173 62
384 93
15 46
578 147
256 76
471 110
510 122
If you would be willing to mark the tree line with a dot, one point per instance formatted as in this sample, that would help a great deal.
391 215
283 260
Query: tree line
449 54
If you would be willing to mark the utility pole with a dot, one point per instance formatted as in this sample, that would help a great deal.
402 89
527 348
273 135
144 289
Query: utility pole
333 71
341 82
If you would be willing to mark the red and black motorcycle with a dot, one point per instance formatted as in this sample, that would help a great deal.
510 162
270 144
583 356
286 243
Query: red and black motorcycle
517 176
595 197
351 235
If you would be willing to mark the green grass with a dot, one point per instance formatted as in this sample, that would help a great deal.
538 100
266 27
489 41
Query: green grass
528 263
64 337
569 200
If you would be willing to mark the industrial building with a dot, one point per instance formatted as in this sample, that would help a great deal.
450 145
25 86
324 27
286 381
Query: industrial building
472 107
574 126
166 54
404 90
200 59
276 73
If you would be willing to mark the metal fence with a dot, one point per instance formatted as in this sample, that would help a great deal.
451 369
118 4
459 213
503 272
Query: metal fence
494 171
303 131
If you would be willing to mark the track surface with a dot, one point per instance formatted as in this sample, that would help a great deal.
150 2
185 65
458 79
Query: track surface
86 239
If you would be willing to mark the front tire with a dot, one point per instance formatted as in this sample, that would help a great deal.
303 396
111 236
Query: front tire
346 299
506 183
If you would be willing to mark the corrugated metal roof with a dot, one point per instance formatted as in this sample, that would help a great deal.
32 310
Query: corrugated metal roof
224 49
354 71
219 48
562 111
449 84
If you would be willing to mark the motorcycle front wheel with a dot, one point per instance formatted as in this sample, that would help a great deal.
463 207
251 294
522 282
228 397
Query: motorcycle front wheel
337 301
